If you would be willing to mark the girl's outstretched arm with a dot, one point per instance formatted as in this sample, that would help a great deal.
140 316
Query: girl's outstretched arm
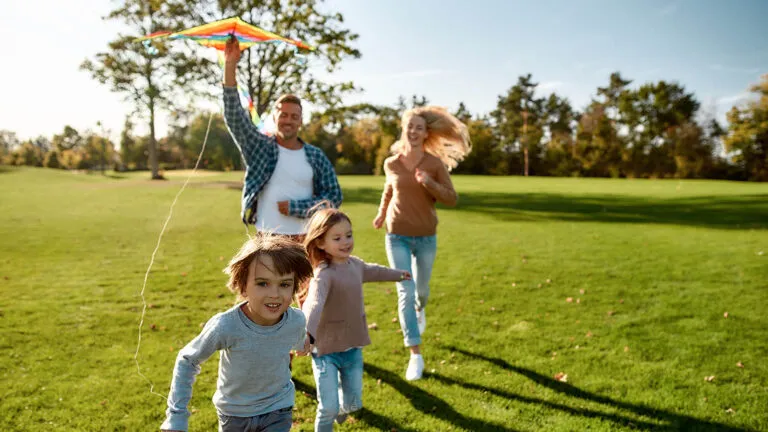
379 273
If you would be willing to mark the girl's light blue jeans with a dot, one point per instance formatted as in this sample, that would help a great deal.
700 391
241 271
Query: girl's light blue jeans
417 256
339 381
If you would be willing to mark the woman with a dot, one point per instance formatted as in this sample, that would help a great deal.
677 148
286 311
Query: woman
432 142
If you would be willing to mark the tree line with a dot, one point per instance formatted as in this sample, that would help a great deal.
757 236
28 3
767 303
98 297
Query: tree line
631 130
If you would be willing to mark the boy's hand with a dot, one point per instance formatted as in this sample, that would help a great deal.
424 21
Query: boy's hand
282 206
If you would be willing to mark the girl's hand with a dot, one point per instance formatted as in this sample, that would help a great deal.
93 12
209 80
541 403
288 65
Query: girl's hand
406 276
232 51
379 221
423 178
305 350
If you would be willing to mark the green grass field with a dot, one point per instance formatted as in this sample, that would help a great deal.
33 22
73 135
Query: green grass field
622 285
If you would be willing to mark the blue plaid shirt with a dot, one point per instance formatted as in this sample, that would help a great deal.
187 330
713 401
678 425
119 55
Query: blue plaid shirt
260 153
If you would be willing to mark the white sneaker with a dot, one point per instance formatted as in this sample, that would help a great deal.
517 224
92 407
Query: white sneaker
421 319
415 367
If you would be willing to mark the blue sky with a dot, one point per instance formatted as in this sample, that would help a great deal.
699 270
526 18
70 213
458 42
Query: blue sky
446 50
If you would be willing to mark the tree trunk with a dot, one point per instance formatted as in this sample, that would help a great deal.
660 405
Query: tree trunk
103 154
525 156
152 147
525 140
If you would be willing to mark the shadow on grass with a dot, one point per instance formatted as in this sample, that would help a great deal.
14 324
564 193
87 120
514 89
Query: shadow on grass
116 176
667 421
725 212
429 404
364 415
309 390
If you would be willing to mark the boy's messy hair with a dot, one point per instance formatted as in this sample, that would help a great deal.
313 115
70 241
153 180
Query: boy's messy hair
287 256
319 224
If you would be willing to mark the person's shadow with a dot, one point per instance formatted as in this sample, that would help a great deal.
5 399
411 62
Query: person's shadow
430 404
364 415
661 420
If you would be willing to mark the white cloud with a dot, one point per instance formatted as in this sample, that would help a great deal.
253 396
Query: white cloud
739 69
733 99
550 85
409 74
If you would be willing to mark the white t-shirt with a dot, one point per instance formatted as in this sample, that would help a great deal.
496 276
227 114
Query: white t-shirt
292 180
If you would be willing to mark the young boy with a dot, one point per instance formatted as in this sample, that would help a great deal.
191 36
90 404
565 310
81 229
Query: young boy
254 389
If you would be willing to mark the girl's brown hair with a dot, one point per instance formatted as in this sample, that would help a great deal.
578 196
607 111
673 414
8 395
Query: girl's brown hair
319 224
288 256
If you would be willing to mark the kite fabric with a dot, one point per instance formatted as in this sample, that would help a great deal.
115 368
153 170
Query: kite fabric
217 33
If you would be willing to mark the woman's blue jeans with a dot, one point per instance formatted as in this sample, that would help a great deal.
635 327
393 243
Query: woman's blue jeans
416 254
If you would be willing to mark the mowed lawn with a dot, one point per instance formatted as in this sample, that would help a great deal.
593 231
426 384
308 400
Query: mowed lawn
647 299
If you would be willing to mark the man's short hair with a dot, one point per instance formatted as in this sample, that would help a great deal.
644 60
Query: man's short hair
288 98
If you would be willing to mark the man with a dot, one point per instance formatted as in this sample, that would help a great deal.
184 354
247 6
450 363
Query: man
284 176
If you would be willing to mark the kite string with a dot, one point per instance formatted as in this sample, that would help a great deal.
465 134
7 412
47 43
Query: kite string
152 259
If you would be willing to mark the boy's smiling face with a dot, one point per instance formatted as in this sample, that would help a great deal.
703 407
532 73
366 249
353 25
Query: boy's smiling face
268 294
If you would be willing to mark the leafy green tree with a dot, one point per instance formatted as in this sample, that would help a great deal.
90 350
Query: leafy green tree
8 143
52 160
598 147
147 78
129 154
669 135
485 157
602 129
559 122
219 153
68 139
28 154
748 133
518 119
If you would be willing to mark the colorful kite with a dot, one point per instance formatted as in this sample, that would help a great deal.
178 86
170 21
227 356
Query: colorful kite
216 35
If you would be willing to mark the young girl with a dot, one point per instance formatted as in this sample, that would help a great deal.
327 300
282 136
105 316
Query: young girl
336 324
254 390
432 143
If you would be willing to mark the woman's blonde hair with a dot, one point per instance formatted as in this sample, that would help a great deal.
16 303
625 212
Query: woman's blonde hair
318 225
288 256
447 137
